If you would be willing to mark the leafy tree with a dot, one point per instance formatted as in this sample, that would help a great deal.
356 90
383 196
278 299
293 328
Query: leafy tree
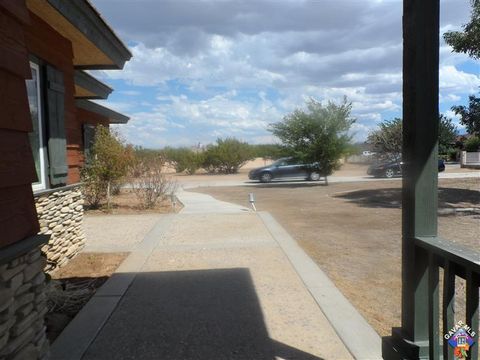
472 144
109 161
387 139
227 156
468 40
317 134
447 133
183 159
470 117
268 151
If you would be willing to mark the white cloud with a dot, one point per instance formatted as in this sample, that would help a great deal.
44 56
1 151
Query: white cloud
296 49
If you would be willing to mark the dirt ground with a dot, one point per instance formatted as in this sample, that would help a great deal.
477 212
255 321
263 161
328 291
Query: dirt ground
73 285
353 231
127 203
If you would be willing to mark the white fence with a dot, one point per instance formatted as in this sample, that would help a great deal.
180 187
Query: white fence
470 159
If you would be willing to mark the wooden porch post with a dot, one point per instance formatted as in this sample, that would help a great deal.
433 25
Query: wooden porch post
419 208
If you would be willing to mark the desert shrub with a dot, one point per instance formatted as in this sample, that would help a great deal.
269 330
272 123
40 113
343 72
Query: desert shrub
268 151
183 159
93 187
472 144
227 156
107 164
150 185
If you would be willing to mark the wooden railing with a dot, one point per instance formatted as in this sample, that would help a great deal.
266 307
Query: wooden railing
455 261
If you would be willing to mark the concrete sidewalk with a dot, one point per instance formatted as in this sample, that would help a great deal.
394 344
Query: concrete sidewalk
215 282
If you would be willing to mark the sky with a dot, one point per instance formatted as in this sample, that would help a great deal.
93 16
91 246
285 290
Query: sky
204 69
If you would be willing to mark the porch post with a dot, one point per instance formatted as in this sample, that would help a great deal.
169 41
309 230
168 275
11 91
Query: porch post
419 196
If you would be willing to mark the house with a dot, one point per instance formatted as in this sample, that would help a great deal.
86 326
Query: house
46 126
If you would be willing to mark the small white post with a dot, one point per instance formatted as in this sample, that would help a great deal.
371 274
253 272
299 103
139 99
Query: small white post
251 199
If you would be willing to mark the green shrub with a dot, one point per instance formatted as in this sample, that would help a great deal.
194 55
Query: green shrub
183 159
227 156
108 163
472 144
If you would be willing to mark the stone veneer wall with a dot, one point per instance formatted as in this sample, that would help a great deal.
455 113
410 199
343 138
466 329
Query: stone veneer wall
23 307
60 214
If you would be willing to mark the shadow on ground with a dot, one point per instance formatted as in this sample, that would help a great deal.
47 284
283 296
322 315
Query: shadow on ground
391 197
285 184
205 314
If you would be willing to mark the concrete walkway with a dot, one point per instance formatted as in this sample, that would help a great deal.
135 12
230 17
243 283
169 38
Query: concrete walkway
217 281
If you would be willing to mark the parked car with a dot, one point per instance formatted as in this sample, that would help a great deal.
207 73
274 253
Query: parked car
286 168
390 169
368 153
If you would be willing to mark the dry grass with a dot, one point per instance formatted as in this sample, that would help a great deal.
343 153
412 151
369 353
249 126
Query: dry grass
353 232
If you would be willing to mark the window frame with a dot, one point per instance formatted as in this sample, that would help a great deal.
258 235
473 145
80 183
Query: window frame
42 181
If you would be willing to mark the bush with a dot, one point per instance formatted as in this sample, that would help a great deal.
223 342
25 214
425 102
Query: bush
93 187
452 154
151 185
227 156
268 151
183 159
108 163
472 144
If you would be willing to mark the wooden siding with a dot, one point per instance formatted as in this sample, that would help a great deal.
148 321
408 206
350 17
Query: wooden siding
39 37
18 218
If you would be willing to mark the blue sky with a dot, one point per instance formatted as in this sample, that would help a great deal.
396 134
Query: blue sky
203 69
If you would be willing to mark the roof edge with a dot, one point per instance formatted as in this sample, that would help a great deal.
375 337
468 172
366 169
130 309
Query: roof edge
113 116
82 15
92 84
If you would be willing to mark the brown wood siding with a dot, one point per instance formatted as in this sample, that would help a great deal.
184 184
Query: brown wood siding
39 38
18 218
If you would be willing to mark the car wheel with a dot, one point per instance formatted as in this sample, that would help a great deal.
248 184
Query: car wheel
314 176
389 173
266 177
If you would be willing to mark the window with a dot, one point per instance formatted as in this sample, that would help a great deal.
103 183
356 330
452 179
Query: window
37 136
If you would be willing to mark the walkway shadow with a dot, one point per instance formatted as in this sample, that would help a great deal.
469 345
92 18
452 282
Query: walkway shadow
201 315
392 197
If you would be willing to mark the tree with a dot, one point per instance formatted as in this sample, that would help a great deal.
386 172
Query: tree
470 117
317 134
109 162
227 156
447 133
468 40
387 139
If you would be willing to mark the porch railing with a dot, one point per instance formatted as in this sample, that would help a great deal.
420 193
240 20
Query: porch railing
455 261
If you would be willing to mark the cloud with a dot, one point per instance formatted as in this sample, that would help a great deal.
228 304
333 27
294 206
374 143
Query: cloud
205 59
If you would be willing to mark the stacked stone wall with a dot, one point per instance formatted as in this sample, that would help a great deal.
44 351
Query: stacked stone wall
23 307
60 214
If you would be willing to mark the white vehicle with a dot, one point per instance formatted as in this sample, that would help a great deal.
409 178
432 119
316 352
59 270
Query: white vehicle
368 153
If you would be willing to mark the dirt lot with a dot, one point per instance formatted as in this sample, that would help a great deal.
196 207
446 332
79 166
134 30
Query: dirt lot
353 231
127 203
74 284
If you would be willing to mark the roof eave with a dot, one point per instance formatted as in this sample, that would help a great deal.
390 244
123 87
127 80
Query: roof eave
113 116
98 89
88 21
